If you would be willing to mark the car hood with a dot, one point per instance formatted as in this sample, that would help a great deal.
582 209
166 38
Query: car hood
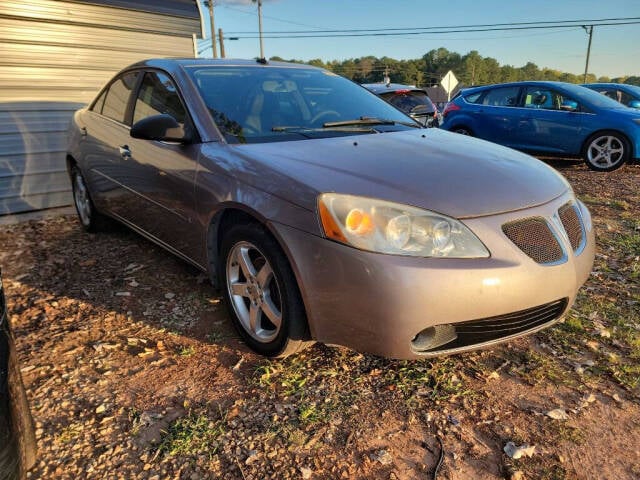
444 172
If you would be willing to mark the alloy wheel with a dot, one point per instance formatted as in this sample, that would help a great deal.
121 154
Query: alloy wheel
605 151
81 199
254 292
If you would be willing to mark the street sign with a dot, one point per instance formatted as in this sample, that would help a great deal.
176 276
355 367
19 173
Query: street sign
449 82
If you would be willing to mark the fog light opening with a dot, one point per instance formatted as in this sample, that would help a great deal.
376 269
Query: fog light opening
434 337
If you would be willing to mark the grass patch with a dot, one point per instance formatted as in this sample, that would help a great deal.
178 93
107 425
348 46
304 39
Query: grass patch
432 380
192 435
187 351
535 368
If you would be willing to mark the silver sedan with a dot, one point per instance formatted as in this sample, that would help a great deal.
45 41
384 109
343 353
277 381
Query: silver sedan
325 214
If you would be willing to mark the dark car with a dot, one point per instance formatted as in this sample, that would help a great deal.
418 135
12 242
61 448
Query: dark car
628 95
549 118
413 101
326 214
17 439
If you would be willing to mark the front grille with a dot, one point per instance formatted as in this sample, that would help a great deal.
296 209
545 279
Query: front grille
534 237
572 225
492 329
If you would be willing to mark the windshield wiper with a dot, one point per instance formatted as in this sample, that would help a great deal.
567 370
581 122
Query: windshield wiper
291 128
368 121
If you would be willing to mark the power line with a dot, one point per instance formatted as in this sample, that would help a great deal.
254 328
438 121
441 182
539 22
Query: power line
481 25
250 12
440 30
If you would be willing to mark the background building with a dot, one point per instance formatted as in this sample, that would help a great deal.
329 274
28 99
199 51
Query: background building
54 56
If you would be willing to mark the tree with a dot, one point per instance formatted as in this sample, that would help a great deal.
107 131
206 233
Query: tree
471 69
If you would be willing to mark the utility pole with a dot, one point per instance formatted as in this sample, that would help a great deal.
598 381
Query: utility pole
260 26
214 48
589 30
221 37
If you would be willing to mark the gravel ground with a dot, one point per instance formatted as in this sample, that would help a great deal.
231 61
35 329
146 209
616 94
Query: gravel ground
134 371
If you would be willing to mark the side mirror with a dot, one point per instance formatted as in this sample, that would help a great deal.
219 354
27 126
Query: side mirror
159 127
569 106
634 104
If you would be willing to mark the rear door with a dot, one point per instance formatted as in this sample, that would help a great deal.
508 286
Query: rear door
544 126
495 116
107 126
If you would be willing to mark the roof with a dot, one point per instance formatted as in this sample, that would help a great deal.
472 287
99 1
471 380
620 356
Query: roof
168 63
608 84
379 88
181 8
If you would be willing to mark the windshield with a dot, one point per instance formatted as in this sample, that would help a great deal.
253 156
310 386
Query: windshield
633 90
266 104
410 101
591 98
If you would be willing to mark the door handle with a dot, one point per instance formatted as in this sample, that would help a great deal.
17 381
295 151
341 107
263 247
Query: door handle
124 151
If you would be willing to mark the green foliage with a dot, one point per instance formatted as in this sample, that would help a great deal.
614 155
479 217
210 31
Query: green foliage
193 434
470 68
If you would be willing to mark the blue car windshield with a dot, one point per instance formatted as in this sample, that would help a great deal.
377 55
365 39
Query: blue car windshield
255 104
591 97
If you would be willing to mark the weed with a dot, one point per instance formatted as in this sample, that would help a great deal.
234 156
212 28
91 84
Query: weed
535 368
69 432
193 434
187 351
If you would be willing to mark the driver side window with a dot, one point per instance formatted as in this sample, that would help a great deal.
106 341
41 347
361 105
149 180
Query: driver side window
546 99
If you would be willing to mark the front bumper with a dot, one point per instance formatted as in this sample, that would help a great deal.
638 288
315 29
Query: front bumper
378 303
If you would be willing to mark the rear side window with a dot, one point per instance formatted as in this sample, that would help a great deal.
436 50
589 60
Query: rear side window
158 95
97 106
473 98
118 95
502 97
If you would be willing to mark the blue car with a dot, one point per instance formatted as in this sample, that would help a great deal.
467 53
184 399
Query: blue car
628 95
549 118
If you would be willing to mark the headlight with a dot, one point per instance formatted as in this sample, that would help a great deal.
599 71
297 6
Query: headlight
386 227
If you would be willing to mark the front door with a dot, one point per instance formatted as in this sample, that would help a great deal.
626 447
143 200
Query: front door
162 174
545 126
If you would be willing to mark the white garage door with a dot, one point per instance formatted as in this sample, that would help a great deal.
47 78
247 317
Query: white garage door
54 57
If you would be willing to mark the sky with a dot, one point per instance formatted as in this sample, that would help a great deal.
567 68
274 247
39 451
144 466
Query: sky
615 50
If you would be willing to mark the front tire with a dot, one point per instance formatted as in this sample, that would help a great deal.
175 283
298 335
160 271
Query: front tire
606 151
261 292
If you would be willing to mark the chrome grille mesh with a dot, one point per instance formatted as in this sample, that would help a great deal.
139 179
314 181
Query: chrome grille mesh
534 237
572 225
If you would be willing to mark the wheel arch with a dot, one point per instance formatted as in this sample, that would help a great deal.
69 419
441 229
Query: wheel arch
70 162
233 213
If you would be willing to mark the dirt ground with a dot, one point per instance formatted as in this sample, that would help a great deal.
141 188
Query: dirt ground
133 370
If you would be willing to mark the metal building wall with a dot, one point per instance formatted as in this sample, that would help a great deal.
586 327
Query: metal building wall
54 57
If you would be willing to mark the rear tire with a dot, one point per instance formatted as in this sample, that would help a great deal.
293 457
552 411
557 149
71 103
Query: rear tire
606 151
90 219
261 292
462 131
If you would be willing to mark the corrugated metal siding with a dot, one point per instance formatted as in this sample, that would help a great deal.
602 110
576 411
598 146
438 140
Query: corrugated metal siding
54 57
